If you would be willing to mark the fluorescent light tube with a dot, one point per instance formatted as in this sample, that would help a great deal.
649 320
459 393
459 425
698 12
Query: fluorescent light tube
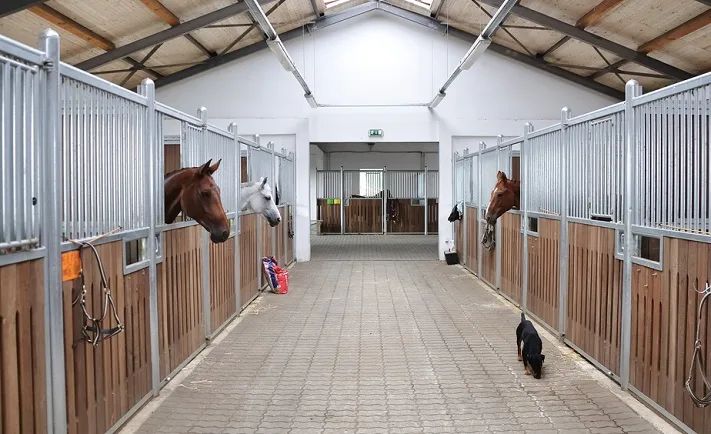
437 99
280 52
311 100
474 53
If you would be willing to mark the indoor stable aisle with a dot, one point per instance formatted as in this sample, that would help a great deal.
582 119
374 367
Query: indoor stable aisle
374 247
392 347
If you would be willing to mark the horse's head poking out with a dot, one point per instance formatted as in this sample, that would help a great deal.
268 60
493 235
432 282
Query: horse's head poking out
257 196
194 192
505 196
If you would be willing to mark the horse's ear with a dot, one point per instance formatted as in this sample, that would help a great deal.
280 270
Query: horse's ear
205 167
212 169
264 182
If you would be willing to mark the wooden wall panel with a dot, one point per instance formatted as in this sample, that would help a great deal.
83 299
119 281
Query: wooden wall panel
180 300
267 234
459 239
281 242
364 216
330 216
171 157
432 216
594 293
106 381
22 389
223 303
411 218
511 245
290 239
472 239
245 169
544 272
664 320
248 259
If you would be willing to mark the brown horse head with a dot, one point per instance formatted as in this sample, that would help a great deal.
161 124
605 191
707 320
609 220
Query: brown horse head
193 192
505 196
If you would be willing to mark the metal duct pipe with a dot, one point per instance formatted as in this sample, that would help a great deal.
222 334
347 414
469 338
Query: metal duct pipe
476 50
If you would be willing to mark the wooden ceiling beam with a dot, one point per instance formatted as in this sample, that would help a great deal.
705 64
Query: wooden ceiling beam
591 17
160 10
63 22
661 41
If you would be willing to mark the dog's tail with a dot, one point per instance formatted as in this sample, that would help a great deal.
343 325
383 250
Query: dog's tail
523 317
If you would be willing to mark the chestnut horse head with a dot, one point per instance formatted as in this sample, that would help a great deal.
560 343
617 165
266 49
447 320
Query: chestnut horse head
505 196
193 191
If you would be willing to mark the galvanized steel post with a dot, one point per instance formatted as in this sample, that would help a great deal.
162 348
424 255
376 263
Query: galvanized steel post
563 242
148 90
293 199
257 139
51 200
464 225
285 220
632 90
205 245
270 146
497 252
238 200
343 204
454 193
385 201
426 200
479 222
527 129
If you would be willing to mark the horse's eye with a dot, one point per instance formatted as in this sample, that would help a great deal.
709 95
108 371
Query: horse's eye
267 198
205 193
501 193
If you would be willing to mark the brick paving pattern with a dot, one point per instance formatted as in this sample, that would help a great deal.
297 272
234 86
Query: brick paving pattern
374 247
385 347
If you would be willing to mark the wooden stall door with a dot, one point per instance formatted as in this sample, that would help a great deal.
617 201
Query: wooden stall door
364 216
223 303
180 300
330 216
664 320
280 237
543 272
472 239
511 245
411 218
106 381
594 293
248 259
432 216
290 237
23 394
459 238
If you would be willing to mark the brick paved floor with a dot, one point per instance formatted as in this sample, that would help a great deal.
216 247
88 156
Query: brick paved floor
373 247
385 347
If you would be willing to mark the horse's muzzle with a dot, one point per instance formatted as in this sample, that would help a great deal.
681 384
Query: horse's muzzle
220 238
274 222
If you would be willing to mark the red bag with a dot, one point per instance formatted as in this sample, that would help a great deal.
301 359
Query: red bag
283 280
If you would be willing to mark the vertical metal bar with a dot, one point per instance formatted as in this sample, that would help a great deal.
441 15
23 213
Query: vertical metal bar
205 245
385 200
272 176
478 220
563 242
462 195
342 210
148 90
632 90
255 178
426 200
497 252
51 223
238 219
527 129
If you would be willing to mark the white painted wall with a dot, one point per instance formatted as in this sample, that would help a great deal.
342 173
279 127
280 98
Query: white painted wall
316 163
378 59
376 160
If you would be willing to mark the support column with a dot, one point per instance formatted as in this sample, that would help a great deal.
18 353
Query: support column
632 90
563 242
497 233
385 201
205 245
464 225
527 129
342 209
479 221
426 200
238 220
50 237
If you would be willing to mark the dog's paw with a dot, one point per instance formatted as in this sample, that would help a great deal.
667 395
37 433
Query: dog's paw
520 359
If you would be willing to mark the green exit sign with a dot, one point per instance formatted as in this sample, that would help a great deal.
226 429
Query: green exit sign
375 133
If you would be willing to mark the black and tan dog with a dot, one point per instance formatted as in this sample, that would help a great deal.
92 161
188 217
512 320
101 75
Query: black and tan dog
530 354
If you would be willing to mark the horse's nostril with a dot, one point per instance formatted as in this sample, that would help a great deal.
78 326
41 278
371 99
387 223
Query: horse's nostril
225 234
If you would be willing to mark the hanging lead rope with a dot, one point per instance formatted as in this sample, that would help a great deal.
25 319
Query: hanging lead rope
697 359
93 333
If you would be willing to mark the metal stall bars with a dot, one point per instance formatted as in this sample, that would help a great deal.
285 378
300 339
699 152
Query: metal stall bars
486 172
287 189
261 163
329 189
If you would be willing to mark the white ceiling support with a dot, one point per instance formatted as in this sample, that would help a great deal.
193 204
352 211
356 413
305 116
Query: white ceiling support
476 50
277 47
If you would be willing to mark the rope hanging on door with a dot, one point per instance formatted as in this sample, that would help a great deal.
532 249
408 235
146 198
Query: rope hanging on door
697 359
92 331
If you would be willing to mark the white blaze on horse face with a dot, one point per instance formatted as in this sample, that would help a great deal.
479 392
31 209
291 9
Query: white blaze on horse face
488 207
